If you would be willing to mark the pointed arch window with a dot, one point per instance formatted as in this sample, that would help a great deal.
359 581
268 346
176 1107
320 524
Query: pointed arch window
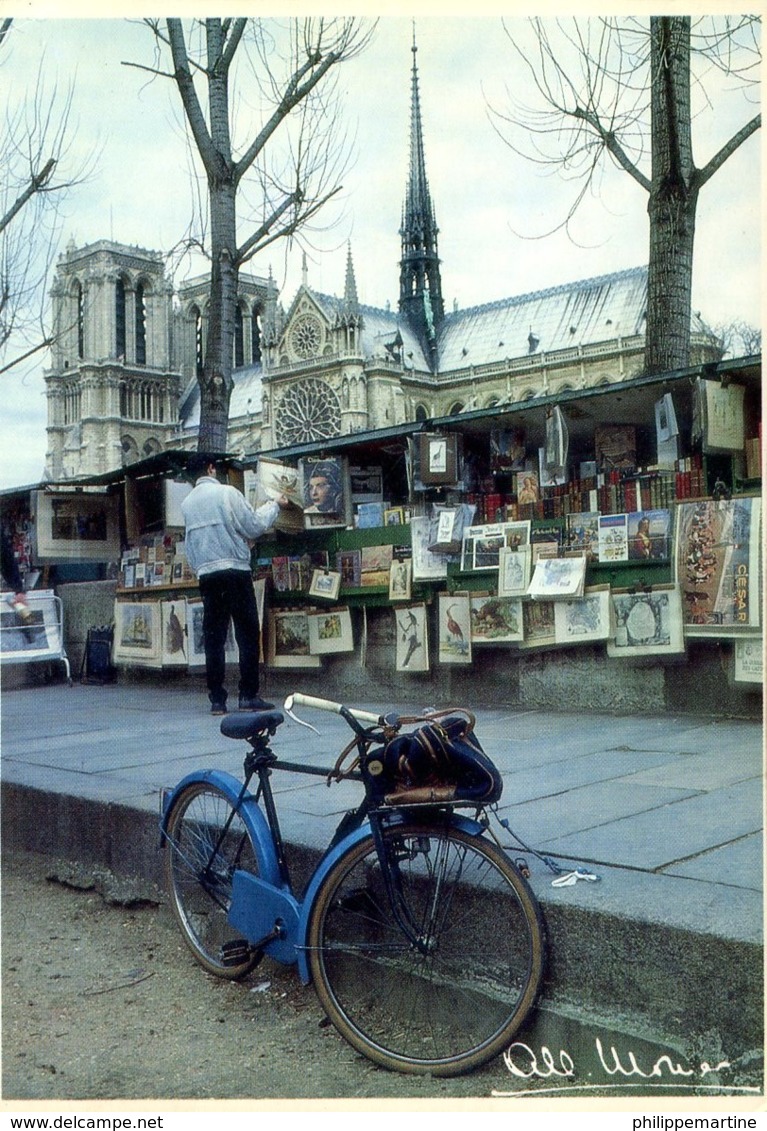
196 318
80 307
140 325
255 335
120 318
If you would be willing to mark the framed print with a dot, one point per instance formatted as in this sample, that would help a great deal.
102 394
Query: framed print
496 620
749 660
646 622
366 484
36 638
325 492
393 516
427 566
583 620
717 559
481 548
400 576
349 565
486 551
138 632
412 639
195 642
375 565
76 525
174 495
538 621
174 651
723 416
454 619
325 584
513 571
439 458
528 487
649 535
330 630
558 578
288 640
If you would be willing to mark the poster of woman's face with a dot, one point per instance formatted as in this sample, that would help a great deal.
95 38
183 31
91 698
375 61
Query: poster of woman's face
323 487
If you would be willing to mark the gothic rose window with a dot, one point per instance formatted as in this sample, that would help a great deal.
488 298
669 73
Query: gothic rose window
306 337
309 410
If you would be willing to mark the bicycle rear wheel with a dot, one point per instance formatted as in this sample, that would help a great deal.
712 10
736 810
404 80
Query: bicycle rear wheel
451 996
200 860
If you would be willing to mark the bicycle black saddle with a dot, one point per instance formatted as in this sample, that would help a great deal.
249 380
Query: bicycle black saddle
245 724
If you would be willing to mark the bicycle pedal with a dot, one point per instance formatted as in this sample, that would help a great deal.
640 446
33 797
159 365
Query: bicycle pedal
235 952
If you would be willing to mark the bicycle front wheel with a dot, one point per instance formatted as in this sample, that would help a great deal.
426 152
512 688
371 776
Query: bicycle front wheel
438 976
202 853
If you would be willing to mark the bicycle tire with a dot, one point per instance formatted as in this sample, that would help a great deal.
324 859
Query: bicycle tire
456 1003
200 887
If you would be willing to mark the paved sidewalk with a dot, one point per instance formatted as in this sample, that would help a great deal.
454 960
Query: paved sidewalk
668 811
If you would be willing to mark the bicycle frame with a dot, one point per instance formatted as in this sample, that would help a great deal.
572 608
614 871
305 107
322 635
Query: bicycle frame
264 907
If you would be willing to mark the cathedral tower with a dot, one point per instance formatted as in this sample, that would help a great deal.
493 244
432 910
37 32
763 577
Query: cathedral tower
420 295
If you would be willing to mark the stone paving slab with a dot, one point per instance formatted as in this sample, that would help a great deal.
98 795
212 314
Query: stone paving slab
655 839
585 808
738 864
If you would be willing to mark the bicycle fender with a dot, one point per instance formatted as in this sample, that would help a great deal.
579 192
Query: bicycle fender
465 824
253 819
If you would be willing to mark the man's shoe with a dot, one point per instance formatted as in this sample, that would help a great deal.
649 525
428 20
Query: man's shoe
255 704
218 708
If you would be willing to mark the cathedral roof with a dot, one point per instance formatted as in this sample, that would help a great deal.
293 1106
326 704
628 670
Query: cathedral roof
246 396
562 317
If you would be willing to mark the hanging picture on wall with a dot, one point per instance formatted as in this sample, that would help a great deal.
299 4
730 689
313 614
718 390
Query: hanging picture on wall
513 571
439 459
271 479
288 640
482 545
454 631
496 620
427 566
412 639
194 638
585 619
717 557
538 621
37 637
174 650
557 579
325 584
646 622
749 660
400 575
376 563
330 630
76 525
138 633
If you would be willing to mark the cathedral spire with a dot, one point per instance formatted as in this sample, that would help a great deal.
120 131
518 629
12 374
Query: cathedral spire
420 297
351 302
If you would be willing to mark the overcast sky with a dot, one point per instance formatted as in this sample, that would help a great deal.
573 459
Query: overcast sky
489 202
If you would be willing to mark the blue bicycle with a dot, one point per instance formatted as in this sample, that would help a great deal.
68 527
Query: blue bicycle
423 940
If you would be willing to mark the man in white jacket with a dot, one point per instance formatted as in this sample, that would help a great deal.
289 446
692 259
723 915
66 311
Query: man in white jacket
220 529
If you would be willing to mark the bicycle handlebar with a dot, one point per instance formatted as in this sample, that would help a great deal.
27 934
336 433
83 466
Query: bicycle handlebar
297 699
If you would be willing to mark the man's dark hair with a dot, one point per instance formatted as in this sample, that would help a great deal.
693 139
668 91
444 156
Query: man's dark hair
198 464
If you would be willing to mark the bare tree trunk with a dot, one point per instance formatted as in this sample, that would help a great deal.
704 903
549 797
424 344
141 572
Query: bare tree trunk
673 198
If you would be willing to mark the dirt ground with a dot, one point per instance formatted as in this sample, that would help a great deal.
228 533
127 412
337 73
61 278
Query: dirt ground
102 1000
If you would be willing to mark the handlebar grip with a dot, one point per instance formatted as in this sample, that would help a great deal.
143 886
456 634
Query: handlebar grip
297 699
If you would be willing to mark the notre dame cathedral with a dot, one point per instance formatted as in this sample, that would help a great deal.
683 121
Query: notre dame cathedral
122 383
